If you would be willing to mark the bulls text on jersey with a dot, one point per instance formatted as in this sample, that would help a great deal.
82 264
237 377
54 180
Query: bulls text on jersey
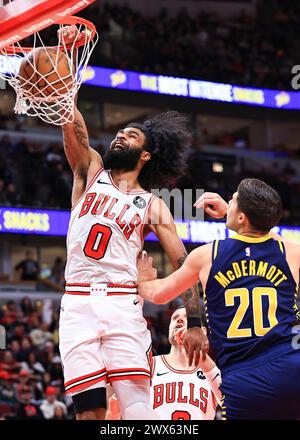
106 205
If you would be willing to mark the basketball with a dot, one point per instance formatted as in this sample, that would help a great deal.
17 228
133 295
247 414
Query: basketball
45 72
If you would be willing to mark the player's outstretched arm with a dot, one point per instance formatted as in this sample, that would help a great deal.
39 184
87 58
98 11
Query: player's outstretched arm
84 160
164 228
164 290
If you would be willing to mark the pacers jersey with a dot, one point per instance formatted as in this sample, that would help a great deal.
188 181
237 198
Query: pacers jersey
105 233
250 300
180 394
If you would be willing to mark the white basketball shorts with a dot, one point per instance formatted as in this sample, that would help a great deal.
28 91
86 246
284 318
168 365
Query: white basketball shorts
103 338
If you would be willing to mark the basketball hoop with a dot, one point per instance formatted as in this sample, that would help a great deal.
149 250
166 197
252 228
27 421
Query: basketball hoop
53 102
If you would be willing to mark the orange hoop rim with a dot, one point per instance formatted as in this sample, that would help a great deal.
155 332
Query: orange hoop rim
69 20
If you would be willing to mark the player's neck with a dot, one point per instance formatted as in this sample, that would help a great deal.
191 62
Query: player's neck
177 359
249 232
126 180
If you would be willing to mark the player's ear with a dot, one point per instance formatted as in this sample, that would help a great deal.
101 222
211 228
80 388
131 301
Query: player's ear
242 218
146 156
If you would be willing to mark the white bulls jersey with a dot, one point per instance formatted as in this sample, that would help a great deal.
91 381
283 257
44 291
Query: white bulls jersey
180 394
105 233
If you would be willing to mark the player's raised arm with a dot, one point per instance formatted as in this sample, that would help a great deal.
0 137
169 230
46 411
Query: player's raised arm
83 159
213 205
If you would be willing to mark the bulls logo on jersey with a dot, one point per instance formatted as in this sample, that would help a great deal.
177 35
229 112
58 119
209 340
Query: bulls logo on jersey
139 202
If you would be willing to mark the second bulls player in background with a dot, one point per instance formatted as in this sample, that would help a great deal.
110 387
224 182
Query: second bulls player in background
180 391
103 335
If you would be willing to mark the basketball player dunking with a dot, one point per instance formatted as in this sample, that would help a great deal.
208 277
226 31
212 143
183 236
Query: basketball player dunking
250 282
178 391
103 335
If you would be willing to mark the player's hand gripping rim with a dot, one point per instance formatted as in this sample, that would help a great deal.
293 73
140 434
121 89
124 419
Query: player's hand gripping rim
68 34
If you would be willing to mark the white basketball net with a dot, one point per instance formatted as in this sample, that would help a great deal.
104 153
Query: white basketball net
54 103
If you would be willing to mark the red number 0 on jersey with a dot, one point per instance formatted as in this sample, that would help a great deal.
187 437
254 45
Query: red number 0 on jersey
181 415
97 241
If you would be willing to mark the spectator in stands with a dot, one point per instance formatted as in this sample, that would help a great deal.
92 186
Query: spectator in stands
23 383
32 365
58 271
55 370
48 353
7 393
40 335
26 348
27 408
46 379
8 363
49 405
15 348
26 306
28 268
241 49
59 414
16 331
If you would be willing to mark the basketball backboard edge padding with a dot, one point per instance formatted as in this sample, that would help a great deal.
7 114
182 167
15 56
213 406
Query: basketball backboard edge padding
22 18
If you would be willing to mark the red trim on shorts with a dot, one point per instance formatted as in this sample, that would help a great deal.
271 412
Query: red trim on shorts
127 286
138 373
128 370
109 286
84 385
130 377
107 294
87 383
84 377
88 187
78 293
78 284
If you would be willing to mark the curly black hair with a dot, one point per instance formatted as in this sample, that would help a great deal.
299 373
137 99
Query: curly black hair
167 137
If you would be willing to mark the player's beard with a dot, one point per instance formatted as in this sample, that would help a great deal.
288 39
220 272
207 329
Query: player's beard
126 160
